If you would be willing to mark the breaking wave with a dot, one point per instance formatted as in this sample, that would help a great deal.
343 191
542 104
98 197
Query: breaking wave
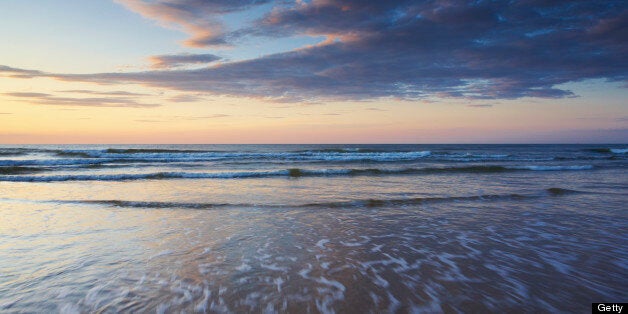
327 155
619 150
293 172
110 155
606 150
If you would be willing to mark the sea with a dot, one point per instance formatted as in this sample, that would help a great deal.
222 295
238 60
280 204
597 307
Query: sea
312 228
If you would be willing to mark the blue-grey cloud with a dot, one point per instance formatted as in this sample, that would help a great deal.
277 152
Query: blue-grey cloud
400 48
27 95
173 61
185 98
19 73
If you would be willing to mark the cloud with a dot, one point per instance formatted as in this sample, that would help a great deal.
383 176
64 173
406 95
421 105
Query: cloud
28 95
48 99
173 61
480 106
397 49
19 73
109 93
198 18
604 119
149 121
186 118
213 116
185 98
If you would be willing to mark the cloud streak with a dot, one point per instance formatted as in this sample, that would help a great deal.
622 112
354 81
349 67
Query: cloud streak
400 49
185 98
185 118
49 99
19 73
108 93
212 116
173 61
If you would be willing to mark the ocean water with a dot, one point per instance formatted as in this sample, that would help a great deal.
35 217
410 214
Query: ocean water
312 228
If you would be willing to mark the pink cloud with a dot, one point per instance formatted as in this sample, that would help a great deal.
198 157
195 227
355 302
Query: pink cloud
203 28
197 18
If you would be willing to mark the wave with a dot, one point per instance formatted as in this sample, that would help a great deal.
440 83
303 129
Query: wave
561 191
144 176
248 158
15 170
552 168
449 155
370 203
350 150
11 153
365 203
337 155
582 158
89 155
443 170
135 204
605 150
56 162
324 150
94 157
360 203
597 150
16 151
467 169
293 173
153 150
72 154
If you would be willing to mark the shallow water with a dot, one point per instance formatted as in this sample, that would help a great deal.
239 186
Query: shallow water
470 228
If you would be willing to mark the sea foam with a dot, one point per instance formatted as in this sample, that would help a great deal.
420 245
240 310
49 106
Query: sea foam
290 173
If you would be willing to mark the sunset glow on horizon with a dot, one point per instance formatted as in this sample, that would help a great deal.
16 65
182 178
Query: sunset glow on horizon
320 71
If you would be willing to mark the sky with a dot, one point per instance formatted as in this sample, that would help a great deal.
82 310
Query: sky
318 71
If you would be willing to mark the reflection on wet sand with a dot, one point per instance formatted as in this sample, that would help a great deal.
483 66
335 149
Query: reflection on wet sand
490 256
